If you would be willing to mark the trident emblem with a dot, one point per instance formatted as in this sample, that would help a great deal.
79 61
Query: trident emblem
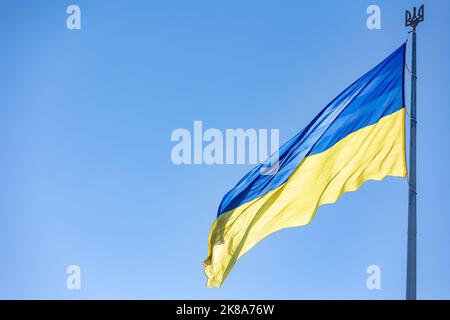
412 20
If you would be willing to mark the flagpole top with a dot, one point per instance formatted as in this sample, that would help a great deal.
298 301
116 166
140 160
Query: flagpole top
417 16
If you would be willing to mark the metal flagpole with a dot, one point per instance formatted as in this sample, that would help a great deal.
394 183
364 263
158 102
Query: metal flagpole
412 20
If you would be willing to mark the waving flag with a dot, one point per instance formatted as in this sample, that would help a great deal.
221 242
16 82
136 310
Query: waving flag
359 136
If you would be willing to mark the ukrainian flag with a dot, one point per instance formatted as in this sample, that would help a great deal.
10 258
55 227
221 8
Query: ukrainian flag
359 136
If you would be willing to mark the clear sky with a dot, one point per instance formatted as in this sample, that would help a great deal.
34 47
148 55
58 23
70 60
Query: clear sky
86 117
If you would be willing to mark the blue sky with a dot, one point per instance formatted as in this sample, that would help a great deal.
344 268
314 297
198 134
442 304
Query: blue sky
85 123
